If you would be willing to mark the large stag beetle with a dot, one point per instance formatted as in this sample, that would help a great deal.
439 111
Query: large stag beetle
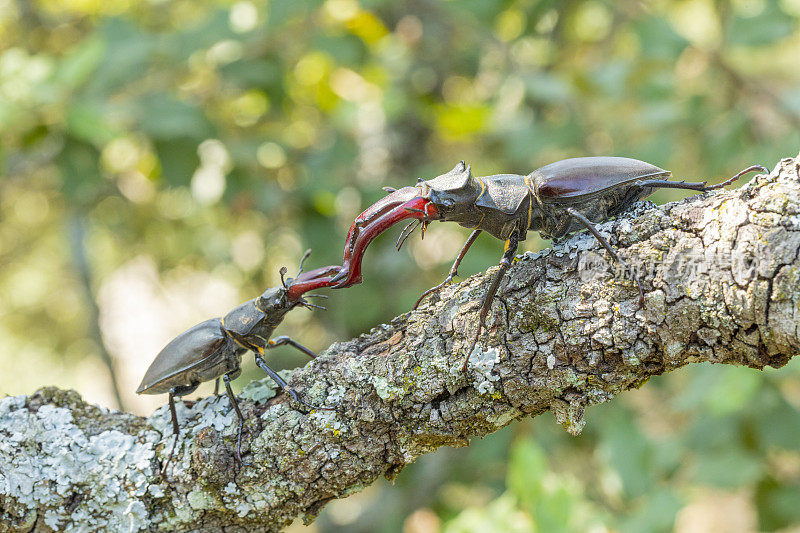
214 348
554 200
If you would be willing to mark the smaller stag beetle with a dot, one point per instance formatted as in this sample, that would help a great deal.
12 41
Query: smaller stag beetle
554 200
214 348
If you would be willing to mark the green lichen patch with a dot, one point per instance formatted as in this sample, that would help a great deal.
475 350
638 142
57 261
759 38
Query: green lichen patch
387 391
538 315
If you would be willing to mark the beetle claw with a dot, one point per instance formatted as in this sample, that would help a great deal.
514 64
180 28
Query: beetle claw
296 399
313 279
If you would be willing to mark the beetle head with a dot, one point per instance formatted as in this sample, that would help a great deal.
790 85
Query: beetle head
274 303
453 192
272 298
291 291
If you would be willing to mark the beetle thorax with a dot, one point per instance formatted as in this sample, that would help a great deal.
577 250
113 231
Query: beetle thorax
272 298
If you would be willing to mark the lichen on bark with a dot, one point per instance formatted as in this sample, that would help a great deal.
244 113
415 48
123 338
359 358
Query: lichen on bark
722 284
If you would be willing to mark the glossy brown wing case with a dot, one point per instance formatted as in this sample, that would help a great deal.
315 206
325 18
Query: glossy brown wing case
572 178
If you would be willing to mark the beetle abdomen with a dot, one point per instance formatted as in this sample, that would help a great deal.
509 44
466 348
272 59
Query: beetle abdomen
189 358
564 181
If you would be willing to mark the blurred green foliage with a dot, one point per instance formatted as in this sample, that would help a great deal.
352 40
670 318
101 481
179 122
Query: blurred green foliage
223 138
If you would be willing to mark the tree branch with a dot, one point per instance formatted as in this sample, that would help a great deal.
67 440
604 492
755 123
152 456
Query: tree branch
722 278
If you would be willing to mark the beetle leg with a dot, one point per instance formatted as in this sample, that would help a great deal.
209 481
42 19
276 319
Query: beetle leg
175 433
216 387
505 263
276 378
283 339
453 269
698 186
701 186
175 429
232 398
737 176
282 384
588 223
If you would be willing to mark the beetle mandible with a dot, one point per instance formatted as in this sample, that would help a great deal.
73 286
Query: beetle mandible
214 348
554 200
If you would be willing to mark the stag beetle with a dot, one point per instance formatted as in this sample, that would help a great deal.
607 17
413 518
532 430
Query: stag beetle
214 348
554 200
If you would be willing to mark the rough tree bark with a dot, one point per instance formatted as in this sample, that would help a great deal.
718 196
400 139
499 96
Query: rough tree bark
722 279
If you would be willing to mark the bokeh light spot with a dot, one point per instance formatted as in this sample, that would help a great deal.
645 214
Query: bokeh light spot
509 25
247 250
696 21
243 17
592 21
225 52
31 207
208 184
311 68
120 155
271 155
341 10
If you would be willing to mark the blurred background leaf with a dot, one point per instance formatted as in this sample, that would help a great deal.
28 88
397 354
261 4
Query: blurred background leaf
198 146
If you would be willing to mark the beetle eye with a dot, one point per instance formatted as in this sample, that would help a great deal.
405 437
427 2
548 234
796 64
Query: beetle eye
448 202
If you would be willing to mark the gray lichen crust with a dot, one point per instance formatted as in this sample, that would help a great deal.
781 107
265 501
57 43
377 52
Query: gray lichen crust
722 283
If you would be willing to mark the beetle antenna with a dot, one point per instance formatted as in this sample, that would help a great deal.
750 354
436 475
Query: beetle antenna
315 296
283 280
